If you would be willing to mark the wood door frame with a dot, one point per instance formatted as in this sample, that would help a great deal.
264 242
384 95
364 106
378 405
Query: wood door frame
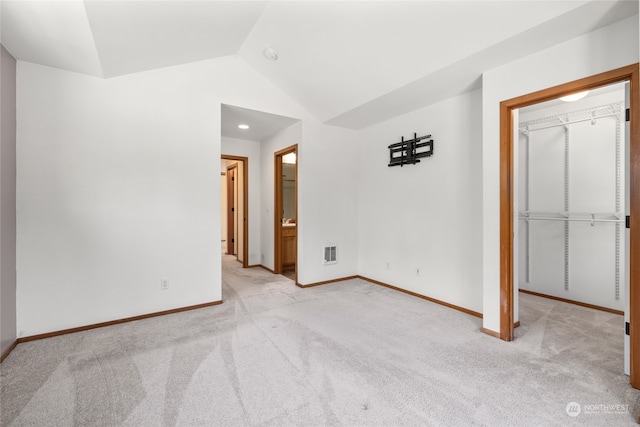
277 224
245 202
232 171
631 74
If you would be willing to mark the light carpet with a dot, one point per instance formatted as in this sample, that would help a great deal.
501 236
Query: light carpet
349 353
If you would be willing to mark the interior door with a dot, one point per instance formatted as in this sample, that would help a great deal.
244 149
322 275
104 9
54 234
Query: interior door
231 210
285 207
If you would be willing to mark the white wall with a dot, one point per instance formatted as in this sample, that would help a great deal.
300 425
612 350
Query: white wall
602 50
427 215
327 206
111 197
7 200
251 150
118 187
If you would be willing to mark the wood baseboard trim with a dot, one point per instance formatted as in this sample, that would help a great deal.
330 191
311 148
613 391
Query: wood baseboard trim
490 332
326 282
446 304
517 324
115 322
9 350
582 304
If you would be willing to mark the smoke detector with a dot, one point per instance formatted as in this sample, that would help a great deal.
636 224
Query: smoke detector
270 53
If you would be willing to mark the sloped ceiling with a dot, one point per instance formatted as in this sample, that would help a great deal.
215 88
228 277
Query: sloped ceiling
349 64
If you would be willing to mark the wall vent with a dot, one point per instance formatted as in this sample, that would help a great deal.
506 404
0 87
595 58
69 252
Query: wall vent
330 254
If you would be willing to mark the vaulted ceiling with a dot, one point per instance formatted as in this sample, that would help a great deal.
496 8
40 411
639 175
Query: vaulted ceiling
349 63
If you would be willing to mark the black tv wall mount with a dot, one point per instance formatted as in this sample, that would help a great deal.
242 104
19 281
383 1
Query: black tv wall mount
411 151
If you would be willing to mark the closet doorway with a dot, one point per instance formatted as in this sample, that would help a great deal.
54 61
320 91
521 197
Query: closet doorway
570 198
512 203
235 207
286 212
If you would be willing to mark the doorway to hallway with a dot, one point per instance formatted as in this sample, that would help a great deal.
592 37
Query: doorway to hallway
235 207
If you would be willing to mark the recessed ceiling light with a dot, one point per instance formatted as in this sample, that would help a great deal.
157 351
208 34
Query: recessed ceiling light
289 158
243 126
574 96
270 53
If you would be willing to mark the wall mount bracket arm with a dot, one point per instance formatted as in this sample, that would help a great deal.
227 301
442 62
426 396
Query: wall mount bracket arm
411 151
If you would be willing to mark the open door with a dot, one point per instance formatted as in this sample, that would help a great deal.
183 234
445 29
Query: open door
627 234
236 206
286 211
232 198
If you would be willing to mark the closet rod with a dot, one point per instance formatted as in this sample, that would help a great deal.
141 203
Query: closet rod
569 123
570 219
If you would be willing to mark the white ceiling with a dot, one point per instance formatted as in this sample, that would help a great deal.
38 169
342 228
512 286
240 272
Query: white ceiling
349 64
261 125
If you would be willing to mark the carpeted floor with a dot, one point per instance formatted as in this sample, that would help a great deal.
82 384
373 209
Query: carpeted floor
289 274
348 353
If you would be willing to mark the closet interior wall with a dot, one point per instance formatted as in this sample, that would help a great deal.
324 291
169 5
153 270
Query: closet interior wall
571 200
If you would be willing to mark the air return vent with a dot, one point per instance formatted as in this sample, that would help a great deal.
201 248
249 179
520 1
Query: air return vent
330 254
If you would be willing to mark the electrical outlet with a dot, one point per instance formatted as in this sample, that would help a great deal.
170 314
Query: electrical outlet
164 284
